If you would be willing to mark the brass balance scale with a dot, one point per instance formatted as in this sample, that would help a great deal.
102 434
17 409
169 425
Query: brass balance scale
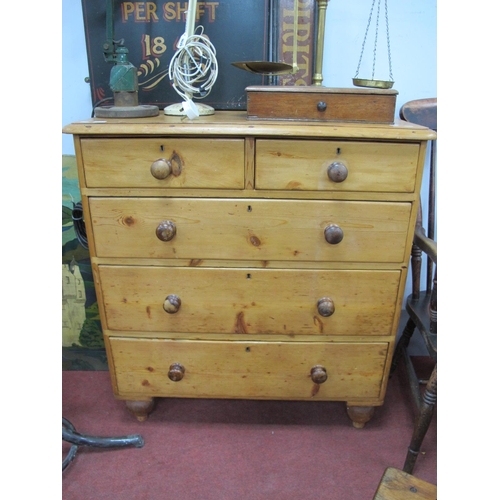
373 102
281 68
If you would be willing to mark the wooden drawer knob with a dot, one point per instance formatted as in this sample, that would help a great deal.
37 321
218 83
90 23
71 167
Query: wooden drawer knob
172 304
325 307
161 168
333 234
166 230
176 372
337 172
318 374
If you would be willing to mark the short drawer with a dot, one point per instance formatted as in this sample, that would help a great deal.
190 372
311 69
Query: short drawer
249 229
310 165
275 370
163 162
249 301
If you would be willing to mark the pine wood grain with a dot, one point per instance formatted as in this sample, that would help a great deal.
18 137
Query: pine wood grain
302 165
216 163
251 370
249 301
250 229
235 123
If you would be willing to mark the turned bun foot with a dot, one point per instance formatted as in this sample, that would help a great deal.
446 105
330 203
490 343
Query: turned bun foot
140 409
360 415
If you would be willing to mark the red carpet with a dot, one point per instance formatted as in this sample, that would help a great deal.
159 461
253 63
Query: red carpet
237 450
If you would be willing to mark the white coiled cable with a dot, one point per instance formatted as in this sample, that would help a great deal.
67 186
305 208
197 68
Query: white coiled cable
193 69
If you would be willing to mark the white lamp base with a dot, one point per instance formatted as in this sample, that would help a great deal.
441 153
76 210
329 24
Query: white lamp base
178 110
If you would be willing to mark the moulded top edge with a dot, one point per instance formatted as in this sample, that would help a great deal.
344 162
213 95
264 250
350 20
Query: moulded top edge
237 124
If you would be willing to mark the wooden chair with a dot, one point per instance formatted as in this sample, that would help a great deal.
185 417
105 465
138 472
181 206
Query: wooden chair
398 485
421 304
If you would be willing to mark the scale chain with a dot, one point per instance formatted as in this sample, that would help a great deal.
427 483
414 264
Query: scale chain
364 40
375 43
388 41
376 37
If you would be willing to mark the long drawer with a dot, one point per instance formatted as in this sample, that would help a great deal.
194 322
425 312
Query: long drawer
141 163
335 166
249 301
250 229
153 367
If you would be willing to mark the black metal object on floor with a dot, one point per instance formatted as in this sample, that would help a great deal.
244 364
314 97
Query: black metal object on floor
70 435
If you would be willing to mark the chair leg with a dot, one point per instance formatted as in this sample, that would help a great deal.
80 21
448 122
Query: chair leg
422 422
433 306
403 343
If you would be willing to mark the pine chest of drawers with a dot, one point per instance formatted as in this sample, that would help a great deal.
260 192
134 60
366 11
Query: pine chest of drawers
249 259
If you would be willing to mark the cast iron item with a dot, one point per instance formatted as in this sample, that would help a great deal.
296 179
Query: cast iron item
70 435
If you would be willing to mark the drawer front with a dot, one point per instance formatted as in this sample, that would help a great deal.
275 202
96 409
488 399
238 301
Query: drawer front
249 301
247 229
320 104
354 166
247 369
194 163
